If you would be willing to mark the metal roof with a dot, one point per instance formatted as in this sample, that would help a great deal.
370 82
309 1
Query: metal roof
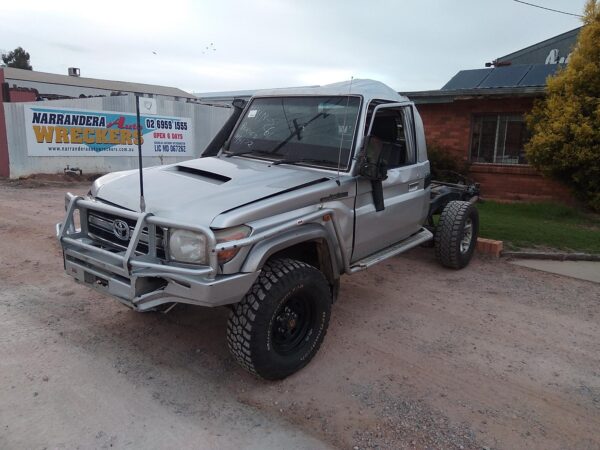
109 85
537 53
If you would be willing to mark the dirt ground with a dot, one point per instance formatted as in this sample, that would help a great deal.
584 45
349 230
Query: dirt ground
417 356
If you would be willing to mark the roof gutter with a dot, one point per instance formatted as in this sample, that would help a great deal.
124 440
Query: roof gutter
449 96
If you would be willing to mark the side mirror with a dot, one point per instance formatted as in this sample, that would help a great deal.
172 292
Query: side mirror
374 162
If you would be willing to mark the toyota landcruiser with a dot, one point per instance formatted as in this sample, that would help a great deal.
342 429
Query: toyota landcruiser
300 187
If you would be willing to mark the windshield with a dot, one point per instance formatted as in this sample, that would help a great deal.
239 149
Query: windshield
313 130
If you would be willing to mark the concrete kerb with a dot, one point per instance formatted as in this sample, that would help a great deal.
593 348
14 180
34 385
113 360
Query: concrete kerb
494 248
551 256
584 266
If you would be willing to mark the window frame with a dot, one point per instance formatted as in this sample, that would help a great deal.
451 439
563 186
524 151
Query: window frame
410 134
498 116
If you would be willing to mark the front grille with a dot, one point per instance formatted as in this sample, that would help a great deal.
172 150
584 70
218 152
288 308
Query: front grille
101 227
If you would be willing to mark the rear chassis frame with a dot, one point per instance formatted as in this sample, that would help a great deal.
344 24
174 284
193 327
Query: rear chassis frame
442 193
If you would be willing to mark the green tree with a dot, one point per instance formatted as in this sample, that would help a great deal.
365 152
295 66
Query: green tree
565 124
18 59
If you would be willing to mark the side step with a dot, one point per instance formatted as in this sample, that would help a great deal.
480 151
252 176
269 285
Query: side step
423 235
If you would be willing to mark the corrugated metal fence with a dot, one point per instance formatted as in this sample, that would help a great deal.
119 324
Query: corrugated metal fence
207 121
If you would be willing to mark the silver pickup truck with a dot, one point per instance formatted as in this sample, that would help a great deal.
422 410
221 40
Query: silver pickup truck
300 187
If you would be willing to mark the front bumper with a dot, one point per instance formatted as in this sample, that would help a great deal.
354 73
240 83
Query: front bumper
143 281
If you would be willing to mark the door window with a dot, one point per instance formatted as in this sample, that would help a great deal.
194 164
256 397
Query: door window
389 132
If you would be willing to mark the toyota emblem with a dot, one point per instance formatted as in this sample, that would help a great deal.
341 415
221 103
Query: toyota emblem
121 229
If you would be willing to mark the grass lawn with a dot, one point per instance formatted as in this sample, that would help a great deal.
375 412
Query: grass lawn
539 225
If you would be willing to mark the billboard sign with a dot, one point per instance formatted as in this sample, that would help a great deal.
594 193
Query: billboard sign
53 131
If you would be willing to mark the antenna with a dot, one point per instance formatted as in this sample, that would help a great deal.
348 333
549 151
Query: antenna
139 130
343 130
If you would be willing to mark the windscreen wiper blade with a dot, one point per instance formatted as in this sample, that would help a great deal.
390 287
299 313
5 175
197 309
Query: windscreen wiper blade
303 160
297 131
243 152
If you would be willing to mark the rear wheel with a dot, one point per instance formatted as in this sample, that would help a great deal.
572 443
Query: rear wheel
279 325
456 234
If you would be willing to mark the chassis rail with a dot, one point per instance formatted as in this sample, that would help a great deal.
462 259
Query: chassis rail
442 193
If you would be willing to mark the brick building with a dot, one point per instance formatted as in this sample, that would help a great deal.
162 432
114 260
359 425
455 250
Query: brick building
478 116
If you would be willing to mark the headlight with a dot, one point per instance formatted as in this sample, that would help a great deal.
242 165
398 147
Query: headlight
187 246
230 234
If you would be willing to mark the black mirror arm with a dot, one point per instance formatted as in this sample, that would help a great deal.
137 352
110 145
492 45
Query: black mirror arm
376 172
377 192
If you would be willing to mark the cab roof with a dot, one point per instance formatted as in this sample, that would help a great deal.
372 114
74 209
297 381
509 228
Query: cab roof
369 89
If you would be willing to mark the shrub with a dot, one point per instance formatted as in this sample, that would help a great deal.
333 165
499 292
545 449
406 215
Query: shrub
565 125
444 165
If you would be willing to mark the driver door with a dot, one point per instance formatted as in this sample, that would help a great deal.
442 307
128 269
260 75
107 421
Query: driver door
405 199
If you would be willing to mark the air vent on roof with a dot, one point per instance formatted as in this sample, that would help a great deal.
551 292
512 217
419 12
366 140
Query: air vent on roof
74 71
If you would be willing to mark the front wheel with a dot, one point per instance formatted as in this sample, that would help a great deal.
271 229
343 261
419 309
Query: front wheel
456 234
279 325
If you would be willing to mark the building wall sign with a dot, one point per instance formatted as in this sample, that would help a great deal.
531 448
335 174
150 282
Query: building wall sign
555 58
73 132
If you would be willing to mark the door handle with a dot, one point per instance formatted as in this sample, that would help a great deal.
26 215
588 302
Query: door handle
413 186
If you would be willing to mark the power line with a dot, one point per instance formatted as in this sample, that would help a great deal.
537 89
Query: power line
549 9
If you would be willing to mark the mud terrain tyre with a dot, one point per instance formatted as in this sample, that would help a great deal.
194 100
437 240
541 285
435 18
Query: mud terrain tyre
456 234
279 325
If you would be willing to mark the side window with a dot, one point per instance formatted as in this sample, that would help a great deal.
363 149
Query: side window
390 130
499 139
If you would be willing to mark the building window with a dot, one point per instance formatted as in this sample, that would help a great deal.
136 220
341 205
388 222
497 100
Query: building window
499 139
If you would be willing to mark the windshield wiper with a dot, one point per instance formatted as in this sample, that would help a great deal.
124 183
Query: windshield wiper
243 152
298 131
303 160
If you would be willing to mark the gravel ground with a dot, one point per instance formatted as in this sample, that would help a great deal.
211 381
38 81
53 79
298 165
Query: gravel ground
417 356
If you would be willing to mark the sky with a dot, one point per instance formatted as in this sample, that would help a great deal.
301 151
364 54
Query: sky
224 45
